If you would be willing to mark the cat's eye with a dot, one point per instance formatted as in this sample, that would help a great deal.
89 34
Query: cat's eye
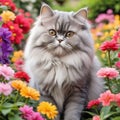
52 32
69 34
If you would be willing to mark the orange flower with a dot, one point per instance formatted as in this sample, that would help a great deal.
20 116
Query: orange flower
18 84
17 55
47 109
29 92
7 16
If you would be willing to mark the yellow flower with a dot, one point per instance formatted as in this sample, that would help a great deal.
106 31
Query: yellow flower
17 55
7 16
97 46
29 92
18 84
47 109
103 55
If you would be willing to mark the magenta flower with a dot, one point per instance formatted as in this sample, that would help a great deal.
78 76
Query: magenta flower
117 64
6 72
109 45
26 111
108 73
5 89
36 116
106 98
29 114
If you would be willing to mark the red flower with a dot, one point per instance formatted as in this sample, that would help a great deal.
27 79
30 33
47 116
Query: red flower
119 54
22 75
8 3
17 34
23 23
109 45
93 103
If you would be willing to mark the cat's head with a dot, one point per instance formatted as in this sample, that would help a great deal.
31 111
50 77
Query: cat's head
61 33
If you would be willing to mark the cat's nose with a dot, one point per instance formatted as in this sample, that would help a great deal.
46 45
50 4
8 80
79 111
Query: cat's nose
60 40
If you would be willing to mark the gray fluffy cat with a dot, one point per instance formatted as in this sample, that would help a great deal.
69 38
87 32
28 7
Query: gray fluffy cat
59 57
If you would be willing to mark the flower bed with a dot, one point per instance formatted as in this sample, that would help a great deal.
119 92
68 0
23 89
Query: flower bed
18 101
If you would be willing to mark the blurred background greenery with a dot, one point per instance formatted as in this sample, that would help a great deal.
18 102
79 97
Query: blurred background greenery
95 6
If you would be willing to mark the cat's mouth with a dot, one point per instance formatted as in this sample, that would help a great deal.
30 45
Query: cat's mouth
59 49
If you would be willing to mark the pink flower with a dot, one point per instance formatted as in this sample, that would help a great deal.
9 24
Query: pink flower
36 116
116 36
93 103
117 99
5 89
19 64
109 11
106 98
6 71
26 111
109 45
107 73
117 64
29 114
96 117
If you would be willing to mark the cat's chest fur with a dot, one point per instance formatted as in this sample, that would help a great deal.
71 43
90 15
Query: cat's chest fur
57 76
59 71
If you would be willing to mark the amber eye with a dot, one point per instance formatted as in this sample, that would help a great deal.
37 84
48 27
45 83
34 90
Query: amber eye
69 34
52 32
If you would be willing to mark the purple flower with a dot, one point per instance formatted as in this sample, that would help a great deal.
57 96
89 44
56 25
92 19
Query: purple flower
5 45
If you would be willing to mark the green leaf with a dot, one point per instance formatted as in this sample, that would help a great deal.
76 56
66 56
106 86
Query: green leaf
7 105
19 104
90 113
15 117
118 109
116 118
111 114
105 110
3 8
6 111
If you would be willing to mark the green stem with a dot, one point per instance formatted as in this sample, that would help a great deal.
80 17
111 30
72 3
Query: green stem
109 59
2 99
108 84
26 101
16 97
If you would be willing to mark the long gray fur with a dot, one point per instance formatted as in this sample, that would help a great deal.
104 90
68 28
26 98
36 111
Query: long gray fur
64 73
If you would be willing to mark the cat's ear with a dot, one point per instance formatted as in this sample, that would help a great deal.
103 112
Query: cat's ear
46 11
81 13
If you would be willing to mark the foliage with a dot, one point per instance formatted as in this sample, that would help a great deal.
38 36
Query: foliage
95 6
32 6
18 101
100 6
107 43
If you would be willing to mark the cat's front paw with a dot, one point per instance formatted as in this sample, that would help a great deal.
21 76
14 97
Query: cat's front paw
72 118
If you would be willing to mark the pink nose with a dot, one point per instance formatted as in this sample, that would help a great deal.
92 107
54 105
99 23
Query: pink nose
60 40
